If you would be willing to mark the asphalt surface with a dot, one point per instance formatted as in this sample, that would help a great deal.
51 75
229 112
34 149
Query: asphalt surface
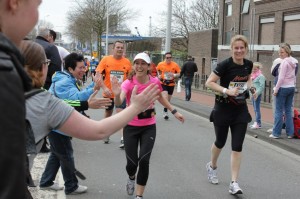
201 104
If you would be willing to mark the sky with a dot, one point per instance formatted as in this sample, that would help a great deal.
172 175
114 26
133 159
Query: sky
55 11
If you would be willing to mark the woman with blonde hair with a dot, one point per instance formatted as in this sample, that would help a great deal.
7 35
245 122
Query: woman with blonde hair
230 110
258 86
284 92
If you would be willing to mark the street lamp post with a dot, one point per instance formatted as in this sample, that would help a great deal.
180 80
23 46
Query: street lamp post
168 34
107 21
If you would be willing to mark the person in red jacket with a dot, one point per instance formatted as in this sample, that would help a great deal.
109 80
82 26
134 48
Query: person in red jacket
153 70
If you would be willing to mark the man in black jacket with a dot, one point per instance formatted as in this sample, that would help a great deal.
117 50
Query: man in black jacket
55 64
51 53
188 70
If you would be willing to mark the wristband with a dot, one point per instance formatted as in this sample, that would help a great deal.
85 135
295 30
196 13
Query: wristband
174 111
224 91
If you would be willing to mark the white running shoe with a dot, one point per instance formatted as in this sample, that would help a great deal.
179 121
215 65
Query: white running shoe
212 174
106 140
234 188
130 187
255 126
273 136
270 130
81 189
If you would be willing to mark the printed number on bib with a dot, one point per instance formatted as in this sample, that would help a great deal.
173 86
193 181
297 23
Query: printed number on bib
241 85
118 74
169 76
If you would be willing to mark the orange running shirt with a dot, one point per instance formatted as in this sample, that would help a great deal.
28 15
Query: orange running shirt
167 72
109 67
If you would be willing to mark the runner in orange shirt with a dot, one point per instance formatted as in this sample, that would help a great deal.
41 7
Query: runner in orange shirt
168 71
114 65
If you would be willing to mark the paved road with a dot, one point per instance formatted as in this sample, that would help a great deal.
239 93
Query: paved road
177 167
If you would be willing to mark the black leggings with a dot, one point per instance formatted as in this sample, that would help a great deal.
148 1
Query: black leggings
238 132
135 136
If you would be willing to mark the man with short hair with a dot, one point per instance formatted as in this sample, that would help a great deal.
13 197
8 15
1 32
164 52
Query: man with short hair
51 53
188 69
61 50
168 71
114 65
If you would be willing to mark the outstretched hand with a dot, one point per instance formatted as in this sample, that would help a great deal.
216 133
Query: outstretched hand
96 103
98 79
179 117
143 100
115 86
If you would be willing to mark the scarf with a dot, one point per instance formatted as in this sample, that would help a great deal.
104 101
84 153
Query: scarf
255 74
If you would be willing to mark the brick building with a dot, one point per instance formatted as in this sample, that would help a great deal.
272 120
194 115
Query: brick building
203 47
266 23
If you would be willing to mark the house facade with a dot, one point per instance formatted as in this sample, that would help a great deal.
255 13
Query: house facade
266 24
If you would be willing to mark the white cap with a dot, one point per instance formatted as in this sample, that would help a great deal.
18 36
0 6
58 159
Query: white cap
142 56
93 57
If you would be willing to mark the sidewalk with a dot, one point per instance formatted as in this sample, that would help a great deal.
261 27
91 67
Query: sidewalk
202 103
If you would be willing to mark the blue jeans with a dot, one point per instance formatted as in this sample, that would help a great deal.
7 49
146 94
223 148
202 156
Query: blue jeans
284 102
62 145
256 106
188 87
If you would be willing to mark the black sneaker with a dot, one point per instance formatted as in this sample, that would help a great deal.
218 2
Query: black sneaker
44 149
121 144
165 115
106 140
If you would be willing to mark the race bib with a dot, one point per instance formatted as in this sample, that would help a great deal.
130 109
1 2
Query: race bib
93 67
118 74
241 85
168 76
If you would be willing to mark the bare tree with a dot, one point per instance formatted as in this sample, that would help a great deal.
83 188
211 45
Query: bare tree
204 15
191 16
88 19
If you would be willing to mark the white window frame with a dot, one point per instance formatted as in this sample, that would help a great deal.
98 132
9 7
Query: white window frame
246 6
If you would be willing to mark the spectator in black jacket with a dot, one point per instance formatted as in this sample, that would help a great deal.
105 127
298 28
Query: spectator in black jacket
51 53
55 64
188 70
14 81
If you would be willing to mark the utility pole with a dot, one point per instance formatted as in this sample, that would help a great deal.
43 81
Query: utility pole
150 26
168 34
107 21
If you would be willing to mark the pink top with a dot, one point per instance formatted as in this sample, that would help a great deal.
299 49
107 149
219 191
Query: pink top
127 87
286 76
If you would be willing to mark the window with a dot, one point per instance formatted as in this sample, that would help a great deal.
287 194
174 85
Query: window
227 38
246 6
228 9
245 33
290 27
266 31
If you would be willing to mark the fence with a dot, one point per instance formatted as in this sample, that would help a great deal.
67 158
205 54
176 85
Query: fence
200 79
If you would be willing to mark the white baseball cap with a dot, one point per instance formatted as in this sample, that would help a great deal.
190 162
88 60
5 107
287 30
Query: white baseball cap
93 57
142 56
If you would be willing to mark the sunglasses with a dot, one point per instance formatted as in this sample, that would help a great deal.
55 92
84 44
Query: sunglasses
168 57
48 61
